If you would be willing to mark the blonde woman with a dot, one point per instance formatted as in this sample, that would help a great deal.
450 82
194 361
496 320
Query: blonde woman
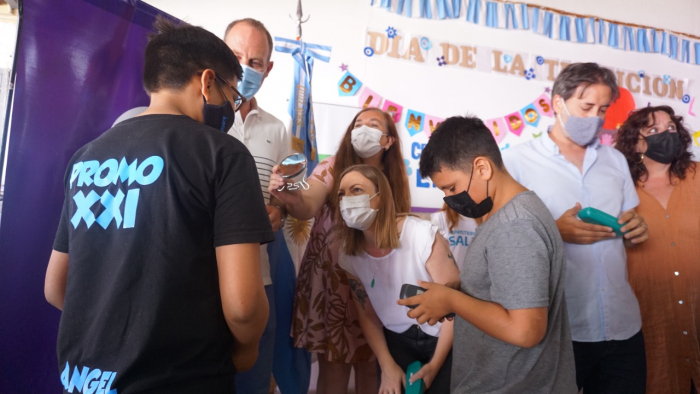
381 251
325 320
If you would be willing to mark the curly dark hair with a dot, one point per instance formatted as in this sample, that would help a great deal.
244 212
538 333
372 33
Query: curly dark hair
629 133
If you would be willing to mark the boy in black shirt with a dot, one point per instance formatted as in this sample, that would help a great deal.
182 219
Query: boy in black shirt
156 262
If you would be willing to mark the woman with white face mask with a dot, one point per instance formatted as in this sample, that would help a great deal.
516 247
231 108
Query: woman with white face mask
382 250
324 317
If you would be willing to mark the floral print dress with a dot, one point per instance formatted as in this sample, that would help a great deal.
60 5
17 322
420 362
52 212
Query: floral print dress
325 319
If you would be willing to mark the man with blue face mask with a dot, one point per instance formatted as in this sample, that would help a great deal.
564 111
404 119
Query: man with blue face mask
568 168
269 142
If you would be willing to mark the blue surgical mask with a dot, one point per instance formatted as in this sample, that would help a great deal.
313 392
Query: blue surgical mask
250 82
581 130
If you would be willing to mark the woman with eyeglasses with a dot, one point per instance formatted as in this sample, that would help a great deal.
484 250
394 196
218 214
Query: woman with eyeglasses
665 271
324 318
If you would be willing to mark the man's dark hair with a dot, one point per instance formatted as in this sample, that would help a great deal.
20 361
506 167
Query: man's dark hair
177 52
256 24
584 74
456 143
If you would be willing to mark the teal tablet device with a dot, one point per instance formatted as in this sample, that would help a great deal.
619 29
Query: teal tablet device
596 216
417 386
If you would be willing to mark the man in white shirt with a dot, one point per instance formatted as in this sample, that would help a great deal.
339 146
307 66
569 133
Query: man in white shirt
568 169
268 141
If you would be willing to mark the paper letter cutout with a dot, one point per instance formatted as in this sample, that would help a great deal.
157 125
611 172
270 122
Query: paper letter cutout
414 122
348 85
395 110
369 99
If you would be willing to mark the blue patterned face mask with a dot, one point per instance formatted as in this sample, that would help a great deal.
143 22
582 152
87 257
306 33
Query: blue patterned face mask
581 130
250 82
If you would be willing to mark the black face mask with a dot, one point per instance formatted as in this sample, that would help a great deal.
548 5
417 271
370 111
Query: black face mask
663 147
464 205
219 117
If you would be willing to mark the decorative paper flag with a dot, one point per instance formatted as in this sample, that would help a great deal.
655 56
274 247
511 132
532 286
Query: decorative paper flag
394 109
530 115
555 24
414 122
369 99
301 108
544 105
515 123
348 85
431 123
498 128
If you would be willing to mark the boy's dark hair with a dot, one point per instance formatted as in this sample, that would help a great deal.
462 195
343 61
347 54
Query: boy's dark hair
177 52
256 24
456 143
586 74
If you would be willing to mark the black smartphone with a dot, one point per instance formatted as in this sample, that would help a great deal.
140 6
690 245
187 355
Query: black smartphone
409 290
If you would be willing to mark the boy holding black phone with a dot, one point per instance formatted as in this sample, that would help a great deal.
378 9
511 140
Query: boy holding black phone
511 332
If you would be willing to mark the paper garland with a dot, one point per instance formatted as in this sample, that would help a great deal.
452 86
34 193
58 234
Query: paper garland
556 25
418 121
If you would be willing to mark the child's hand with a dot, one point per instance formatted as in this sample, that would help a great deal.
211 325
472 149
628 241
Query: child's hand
433 305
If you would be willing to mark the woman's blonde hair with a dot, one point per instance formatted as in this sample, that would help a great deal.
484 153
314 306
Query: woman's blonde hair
353 240
451 215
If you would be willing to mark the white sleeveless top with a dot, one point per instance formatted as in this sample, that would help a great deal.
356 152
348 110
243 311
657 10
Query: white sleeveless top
403 265
459 237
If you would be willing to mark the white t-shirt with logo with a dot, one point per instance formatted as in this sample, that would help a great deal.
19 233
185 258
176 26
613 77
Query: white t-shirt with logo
459 237
269 142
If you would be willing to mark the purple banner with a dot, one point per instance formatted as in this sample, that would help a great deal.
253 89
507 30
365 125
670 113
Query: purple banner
79 66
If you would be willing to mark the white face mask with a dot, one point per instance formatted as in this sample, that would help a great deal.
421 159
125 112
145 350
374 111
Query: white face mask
357 212
365 140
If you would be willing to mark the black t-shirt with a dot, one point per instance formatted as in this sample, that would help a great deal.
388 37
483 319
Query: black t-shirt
146 205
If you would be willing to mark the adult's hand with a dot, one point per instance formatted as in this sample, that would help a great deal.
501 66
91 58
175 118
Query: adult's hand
427 373
393 379
576 231
288 197
635 229
275 214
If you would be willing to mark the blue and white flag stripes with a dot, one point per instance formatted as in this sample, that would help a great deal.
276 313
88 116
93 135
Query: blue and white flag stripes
300 107
553 24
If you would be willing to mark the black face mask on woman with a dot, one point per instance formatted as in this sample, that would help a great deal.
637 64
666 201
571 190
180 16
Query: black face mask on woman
464 205
663 147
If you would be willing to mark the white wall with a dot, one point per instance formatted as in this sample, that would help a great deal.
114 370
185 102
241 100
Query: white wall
439 91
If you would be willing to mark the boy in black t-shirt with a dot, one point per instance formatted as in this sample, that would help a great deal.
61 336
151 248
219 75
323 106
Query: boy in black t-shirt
156 262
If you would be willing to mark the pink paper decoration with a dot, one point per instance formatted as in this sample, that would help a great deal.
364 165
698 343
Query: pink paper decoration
369 99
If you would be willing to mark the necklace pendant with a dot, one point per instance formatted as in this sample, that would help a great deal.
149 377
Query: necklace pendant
372 284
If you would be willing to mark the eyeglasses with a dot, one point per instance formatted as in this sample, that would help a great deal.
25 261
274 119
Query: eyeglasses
239 99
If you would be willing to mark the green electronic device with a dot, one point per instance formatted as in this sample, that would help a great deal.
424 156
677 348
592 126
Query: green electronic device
416 387
596 216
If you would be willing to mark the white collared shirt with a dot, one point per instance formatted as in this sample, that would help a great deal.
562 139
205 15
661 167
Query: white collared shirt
269 142
600 300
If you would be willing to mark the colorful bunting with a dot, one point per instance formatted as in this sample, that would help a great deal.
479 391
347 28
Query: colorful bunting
418 121
558 25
